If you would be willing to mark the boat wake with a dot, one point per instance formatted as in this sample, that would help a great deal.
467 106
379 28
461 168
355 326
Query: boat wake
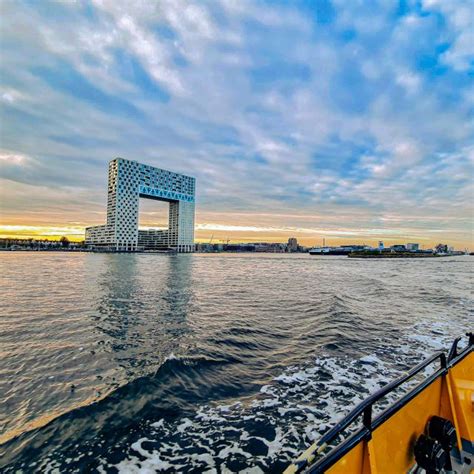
266 432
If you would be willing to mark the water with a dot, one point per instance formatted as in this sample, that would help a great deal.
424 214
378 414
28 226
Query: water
144 363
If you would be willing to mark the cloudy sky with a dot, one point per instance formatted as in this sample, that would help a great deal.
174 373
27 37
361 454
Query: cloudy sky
351 121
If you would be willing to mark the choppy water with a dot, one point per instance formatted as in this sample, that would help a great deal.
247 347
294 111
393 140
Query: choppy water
143 363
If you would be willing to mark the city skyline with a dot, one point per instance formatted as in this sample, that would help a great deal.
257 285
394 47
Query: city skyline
332 120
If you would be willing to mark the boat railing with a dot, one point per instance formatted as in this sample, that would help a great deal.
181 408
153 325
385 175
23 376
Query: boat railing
365 409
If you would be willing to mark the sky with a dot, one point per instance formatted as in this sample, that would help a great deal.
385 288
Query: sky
349 121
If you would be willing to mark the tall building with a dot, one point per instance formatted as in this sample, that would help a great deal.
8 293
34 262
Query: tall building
292 244
128 182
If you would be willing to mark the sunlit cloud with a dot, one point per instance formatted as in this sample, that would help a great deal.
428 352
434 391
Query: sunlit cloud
41 232
12 158
300 230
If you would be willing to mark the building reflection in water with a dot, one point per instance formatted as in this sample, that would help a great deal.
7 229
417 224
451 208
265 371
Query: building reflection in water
142 309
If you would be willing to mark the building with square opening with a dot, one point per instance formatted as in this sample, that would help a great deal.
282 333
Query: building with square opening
128 182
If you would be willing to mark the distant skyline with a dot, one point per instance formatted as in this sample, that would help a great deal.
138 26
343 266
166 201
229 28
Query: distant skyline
350 121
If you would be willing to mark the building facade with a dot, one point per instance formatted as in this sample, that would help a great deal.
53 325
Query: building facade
292 244
128 182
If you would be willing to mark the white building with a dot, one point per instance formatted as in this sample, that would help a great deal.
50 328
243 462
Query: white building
128 182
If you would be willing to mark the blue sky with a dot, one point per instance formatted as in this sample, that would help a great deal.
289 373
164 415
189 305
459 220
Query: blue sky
348 120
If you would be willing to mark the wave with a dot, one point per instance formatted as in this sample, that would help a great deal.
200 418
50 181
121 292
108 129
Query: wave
269 362
171 420
172 389
264 433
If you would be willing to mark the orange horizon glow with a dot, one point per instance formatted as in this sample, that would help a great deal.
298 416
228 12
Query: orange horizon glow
220 233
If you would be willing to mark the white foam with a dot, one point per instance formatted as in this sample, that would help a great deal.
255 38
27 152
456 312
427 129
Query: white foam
296 408
370 359
186 423
158 424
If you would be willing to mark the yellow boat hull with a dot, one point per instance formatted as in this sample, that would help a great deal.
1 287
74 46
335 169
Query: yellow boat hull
387 445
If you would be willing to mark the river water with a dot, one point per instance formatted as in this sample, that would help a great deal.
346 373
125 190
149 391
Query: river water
144 363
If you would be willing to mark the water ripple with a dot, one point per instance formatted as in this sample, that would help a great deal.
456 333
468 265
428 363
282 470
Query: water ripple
193 362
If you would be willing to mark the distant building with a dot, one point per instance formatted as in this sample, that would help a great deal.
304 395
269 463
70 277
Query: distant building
38 244
292 244
128 182
239 248
381 245
341 250
153 239
204 247
441 248
413 247
270 247
398 248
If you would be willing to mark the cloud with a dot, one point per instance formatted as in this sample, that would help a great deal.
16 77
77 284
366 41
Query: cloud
340 110
460 17
11 158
